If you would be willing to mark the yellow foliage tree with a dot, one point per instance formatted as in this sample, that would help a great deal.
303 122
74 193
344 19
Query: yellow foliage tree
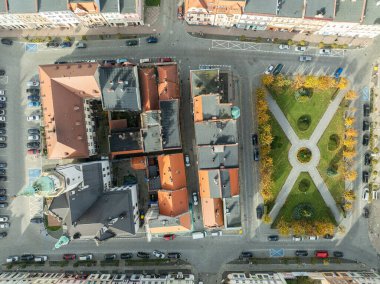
311 82
347 206
342 84
349 121
283 227
267 79
324 227
280 81
298 81
350 176
350 143
349 154
267 219
351 132
298 228
349 195
326 82
351 95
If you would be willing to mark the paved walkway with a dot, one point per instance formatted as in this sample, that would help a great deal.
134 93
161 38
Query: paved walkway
310 167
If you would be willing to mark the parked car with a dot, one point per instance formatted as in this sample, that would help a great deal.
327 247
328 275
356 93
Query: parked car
81 45
126 255
2 111
151 39
13 258
365 194
284 46
33 83
367 159
273 238
246 254
69 256
3 99
34 137
365 140
174 255
3 191
366 110
52 44
169 237
110 256
195 198
34 104
41 258
3 235
27 257
34 98
255 139
165 59
3 197
278 69
2 118
3 105
321 254
33 151
4 218
4 225
37 220
328 237
2 92
143 254
3 145
33 91
259 211
66 44
132 42
300 48
256 154
366 212
269 69
85 257
33 118
365 125
2 72
338 254
297 238
338 72
365 176
33 131
158 254
3 138
6 41
305 58
3 131
2 125
33 145
301 253
187 160
325 51
3 204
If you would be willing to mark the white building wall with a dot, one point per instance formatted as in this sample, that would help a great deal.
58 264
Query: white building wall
61 18
10 21
92 20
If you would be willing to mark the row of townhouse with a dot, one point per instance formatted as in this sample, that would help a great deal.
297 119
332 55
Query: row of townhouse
37 14
349 18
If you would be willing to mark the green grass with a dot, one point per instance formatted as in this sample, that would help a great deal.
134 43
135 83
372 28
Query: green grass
311 196
293 109
279 153
334 183
152 2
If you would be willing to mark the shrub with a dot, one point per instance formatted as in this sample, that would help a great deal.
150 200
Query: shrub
333 143
290 42
242 38
304 185
303 211
303 123
321 45
304 155
84 37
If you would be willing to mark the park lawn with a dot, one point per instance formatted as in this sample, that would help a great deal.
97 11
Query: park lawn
334 183
311 196
279 153
152 2
293 109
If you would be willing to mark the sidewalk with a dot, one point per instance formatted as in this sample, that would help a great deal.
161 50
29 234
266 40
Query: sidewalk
234 34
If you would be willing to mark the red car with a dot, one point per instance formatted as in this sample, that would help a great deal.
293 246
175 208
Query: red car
33 151
321 254
169 237
69 256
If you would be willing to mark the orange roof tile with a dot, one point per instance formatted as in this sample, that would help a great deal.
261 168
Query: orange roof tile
138 163
167 73
84 7
234 181
212 211
216 6
149 93
204 188
168 91
183 225
198 109
63 88
173 203
172 171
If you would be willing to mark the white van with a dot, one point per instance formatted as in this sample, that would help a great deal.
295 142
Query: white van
198 235
40 258
13 258
86 257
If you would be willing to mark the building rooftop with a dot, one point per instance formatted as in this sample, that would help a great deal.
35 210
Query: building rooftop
261 7
212 212
372 13
173 202
63 90
291 9
83 6
233 218
51 5
125 141
208 107
204 82
216 156
349 11
320 9
109 6
171 137
149 92
161 224
120 88
22 6
172 171
3 6
152 141
218 183
216 132
128 6
168 85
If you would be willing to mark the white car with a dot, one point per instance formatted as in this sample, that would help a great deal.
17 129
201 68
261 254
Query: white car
4 218
40 258
195 198
33 84
2 111
325 51
3 99
297 238
2 92
300 48
158 254
4 225
365 194
13 258
284 46
187 160
33 118
269 69
34 137
2 118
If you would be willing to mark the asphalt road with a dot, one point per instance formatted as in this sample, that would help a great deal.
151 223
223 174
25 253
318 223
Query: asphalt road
207 255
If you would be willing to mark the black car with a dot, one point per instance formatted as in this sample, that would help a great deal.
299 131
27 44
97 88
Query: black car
365 125
34 98
174 255
3 204
3 172
126 255
3 178
3 131
143 254
3 197
367 159
37 220
2 125
273 238
6 41
151 39
110 256
3 235
246 254
52 44
33 145
366 110
259 211
131 42
328 237
3 105
255 139
301 253
365 141
3 191
365 176
2 72
278 69
366 213
33 91
338 254
33 131
27 257
3 165
256 154
3 145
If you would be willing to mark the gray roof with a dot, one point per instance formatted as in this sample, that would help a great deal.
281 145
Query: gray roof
170 124
51 5
323 9
204 81
152 138
120 88
214 157
60 206
127 140
22 6
372 13
225 183
261 7
214 183
109 6
349 11
127 6
3 6
216 132
292 9
212 109
233 219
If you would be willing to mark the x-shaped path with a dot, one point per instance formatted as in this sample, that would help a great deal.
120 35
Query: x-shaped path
310 167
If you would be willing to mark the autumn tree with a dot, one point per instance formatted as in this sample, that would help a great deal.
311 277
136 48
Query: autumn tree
297 228
298 82
283 227
324 227
351 132
350 175
267 219
349 154
311 82
349 121
350 143
326 82
347 206
267 79
351 95
342 84
349 195
280 81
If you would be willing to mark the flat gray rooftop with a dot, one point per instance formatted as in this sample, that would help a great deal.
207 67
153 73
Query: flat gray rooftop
216 132
204 81
372 13
233 219
51 5
213 157
322 9
170 124
22 6
349 11
261 7
291 8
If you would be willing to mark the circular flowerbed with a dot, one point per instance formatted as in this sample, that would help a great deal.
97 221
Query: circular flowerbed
303 123
303 211
334 142
304 185
304 155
